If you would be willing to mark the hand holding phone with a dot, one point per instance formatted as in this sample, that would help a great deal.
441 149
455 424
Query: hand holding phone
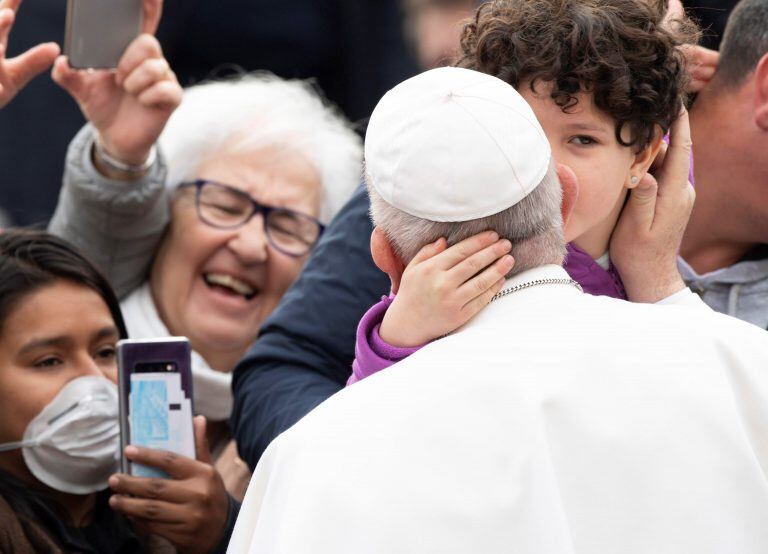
190 509
128 107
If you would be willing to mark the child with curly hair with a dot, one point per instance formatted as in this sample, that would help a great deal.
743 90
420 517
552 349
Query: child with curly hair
606 80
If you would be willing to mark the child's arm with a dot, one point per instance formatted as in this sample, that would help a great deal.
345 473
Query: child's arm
440 291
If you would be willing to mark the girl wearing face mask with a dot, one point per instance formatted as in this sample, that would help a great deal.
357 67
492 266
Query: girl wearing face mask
59 425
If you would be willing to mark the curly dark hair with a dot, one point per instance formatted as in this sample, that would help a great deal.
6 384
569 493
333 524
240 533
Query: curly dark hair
618 50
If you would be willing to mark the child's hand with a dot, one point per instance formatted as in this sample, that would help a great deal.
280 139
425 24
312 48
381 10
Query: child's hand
443 289
190 509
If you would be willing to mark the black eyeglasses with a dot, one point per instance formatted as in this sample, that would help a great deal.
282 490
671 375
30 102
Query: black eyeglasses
225 207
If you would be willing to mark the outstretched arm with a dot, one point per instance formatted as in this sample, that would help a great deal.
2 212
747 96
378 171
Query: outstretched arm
118 216
305 350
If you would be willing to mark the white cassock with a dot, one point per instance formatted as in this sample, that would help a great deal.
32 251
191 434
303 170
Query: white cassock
554 422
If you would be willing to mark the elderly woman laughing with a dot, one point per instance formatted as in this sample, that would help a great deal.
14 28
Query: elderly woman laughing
203 234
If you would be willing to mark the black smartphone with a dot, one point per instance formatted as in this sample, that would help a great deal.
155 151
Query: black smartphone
99 31
155 385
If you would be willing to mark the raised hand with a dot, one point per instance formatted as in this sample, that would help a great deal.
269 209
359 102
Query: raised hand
16 72
646 240
442 289
129 107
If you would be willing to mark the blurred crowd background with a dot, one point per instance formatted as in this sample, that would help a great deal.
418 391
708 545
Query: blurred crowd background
355 50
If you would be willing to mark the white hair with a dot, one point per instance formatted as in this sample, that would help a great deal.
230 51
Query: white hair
534 226
259 111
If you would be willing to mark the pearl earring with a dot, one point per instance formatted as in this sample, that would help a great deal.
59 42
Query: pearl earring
633 180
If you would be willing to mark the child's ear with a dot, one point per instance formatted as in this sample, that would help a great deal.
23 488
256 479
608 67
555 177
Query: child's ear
644 159
385 258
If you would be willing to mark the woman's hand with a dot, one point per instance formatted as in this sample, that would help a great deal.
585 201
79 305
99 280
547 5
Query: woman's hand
129 107
443 289
701 64
190 509
646 240
16 72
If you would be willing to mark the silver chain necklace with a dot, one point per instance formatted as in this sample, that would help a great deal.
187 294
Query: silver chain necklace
528 284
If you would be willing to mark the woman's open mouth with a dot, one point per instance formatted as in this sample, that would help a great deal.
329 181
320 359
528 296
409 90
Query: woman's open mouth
229 285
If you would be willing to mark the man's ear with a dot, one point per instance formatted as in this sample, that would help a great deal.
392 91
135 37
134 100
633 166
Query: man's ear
761 93
570 185
385 258
643 160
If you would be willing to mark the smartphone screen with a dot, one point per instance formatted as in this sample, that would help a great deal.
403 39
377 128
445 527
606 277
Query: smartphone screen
156 398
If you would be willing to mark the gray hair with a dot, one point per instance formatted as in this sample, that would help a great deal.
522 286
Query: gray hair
534 226
745 41
259 111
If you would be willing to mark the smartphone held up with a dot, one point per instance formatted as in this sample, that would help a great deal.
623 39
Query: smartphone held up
155 383
98 31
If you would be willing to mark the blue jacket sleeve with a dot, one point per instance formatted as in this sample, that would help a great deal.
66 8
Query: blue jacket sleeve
305 349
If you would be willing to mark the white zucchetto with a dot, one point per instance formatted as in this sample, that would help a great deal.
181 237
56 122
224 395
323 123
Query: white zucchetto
454 144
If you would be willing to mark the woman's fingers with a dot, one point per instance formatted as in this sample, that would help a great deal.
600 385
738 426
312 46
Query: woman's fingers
10 4
6 22
158 511
463 271
479 285
149 488
24 67
175 465
163 95
146 74
152 10
202 449
677 161
142 48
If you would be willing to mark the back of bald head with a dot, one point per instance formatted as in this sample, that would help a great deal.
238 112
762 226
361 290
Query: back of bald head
745 42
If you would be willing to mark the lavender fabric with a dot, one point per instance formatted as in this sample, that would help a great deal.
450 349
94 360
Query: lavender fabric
593 279
372 353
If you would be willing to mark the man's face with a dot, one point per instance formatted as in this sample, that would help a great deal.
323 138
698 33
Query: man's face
435 28
585 140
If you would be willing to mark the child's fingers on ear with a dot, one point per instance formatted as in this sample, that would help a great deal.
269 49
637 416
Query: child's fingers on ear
429 251
465 270
472 307
464 249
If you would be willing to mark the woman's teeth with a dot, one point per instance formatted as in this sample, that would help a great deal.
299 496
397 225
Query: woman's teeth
229 282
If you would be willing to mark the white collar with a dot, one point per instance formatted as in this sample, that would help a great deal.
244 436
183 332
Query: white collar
502 305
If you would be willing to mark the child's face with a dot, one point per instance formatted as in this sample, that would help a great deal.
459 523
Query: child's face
585 140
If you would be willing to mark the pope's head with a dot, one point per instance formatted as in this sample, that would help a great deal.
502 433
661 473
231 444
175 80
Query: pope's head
453 152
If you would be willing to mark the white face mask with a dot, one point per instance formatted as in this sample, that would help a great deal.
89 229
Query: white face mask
73 444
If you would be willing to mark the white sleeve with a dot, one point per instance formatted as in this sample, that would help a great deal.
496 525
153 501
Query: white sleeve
683 297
